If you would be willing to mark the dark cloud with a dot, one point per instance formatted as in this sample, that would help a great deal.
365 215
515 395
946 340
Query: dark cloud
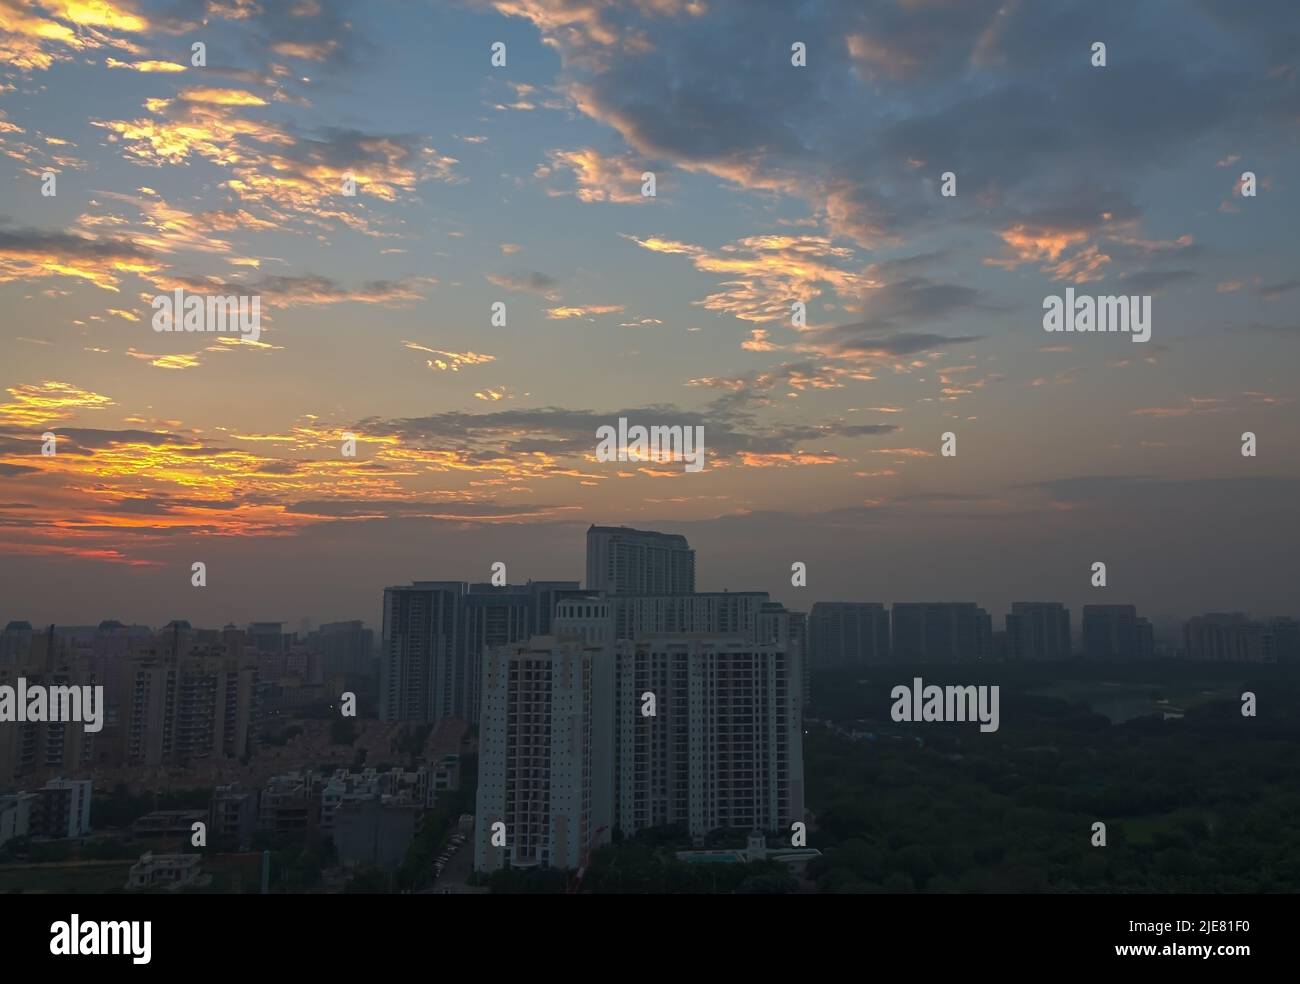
1002 93
1153 281
537 283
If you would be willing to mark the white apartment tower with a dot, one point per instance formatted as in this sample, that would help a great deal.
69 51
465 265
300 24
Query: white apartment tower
624 561
725 746
545 762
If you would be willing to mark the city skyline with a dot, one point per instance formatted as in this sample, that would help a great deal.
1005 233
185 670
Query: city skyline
640 571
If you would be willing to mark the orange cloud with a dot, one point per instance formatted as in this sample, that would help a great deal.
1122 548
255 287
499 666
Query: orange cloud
45 403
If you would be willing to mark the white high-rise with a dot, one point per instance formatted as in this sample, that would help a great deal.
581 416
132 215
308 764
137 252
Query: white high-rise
545 767
621 560
725 745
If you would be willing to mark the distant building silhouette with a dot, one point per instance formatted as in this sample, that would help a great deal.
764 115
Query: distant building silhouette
434 636
1115 632
624 561
848 633
1236 638
941 632
1038 630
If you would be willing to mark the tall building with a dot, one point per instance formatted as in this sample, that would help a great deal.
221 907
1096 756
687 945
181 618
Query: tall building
61 809
346 649
185 700
544 762
267 637
1115 632
15 642
847 633
724 747
623 561
1237 638
30 748
1038 630
941 632
716 612
15 816
421 674
435 634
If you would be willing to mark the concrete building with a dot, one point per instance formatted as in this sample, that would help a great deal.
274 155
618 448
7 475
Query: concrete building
1115 632
289 804
233 817
168 825
544 752
61 808
33 748
164 871
15 816
624 561
420 674
715 612
187 697
1236 638
941 632
847 633
724 747
15 642
434 636
1038 630
344 788
374 834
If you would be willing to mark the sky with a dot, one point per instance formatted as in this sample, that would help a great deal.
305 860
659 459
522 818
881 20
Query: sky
521 183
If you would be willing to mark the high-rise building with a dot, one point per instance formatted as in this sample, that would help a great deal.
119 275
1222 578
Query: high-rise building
789 630
267 637
1115 632
1285 634
941 632
421 673
715 612
185 700
1038 630
623 561
346 649
435 633
15 816
544 740
1235 637
15 642
724 747
847 633
61 809
32 748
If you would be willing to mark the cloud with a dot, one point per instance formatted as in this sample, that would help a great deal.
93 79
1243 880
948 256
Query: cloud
561 313
596 178
280 173
450 360
35 35
33 405
146 66
766 274
534 282
28 254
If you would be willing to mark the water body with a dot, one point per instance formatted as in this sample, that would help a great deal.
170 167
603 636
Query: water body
1120 702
